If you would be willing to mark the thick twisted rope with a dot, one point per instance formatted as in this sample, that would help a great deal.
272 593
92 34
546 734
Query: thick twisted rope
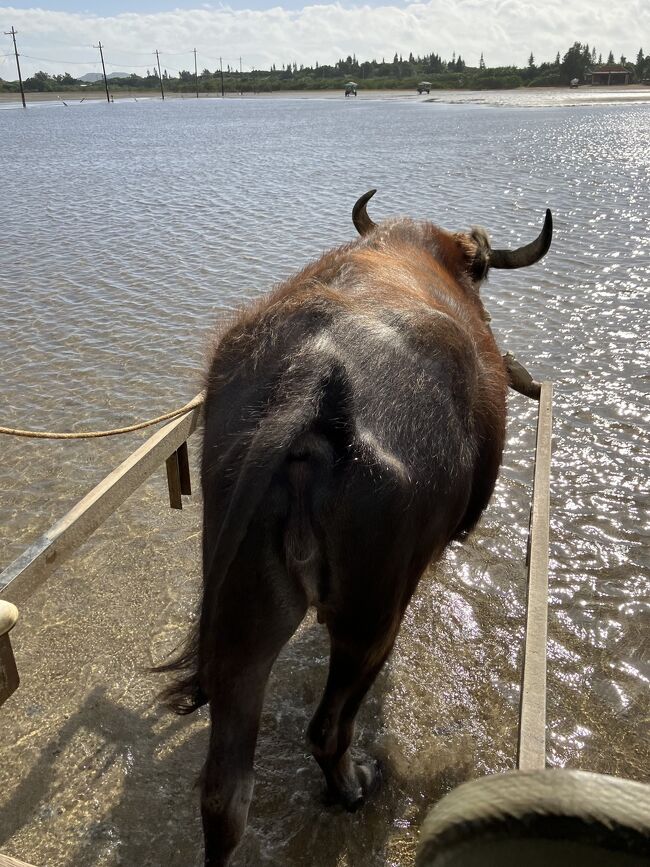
81 435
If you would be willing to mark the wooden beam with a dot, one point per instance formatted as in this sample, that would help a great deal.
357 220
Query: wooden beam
184 470
531 753
7 861
32 567
174 481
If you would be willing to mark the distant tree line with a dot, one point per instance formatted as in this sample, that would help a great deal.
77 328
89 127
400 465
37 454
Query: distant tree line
399 72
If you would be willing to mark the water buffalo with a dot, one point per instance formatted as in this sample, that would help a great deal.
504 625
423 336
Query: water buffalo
354 425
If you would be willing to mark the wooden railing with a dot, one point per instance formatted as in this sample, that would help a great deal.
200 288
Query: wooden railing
33 566
531 747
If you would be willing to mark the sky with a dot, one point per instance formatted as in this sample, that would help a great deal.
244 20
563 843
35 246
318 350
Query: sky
59 35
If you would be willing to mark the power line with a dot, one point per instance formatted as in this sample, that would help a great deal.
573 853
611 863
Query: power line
131 65
122 62
164 51
51 60
161 51
125 50
72 62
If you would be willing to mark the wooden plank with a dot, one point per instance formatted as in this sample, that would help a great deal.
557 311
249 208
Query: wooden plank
7 861
32 567
184 469
531 753
174 481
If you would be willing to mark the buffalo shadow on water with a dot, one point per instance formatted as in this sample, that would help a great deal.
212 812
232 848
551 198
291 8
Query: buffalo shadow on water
152 815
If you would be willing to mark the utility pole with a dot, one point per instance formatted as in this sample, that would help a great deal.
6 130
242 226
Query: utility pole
241 78
221 68
196 75
162 90
12 33
101 54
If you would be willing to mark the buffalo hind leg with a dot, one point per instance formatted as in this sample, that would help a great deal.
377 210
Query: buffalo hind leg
353 669
256 616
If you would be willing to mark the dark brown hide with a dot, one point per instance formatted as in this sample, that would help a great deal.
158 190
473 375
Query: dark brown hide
354 425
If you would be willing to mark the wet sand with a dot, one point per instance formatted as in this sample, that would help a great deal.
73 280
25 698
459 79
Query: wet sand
520 97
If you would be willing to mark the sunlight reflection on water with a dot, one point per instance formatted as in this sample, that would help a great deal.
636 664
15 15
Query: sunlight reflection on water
127 230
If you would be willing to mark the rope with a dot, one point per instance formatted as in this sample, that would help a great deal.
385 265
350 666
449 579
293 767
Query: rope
58 435
520 380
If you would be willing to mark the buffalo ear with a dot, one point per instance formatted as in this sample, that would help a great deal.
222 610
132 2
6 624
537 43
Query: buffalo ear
476 249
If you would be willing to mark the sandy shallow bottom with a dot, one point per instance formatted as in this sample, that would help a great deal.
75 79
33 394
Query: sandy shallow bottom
90 749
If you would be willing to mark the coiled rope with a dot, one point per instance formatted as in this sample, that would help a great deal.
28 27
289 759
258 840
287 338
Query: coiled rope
81 435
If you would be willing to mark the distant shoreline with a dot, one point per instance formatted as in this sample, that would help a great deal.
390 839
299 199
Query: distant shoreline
516 97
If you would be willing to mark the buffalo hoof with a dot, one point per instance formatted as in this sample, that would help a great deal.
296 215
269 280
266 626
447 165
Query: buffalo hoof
367 774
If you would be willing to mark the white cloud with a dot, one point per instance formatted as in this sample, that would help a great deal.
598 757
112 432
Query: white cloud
505 31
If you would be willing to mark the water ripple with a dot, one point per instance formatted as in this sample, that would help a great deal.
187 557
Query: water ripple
127 231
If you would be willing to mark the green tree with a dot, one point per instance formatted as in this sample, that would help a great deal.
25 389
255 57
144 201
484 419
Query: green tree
575 62
39 82
639 60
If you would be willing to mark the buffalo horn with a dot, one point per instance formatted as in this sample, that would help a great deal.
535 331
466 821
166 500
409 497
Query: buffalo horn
360 218
527 255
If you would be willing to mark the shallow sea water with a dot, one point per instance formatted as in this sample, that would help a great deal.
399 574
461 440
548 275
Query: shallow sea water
127 231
